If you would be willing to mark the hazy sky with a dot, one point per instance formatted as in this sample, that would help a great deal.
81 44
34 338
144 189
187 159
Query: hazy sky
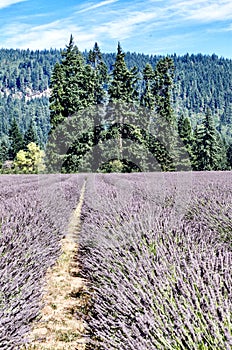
149 26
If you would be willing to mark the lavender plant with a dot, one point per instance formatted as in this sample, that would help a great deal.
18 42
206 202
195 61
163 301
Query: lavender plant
158 280
34 213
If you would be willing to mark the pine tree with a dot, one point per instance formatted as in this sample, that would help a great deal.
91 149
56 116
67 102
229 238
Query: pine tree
147 98
57 96
30 135
186 134
95 60
164 74
95 56
16 140
206 147
74 97
123 95
3 151
100 76
229 156
123 85
166 124
72 85
222 152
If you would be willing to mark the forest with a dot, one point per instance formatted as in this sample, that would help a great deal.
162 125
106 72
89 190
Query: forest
198 95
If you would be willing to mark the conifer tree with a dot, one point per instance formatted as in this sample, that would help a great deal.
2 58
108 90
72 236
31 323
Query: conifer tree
57 96
123 94
222 152
30 135
16 140
72 84
123 85
166 124
95 56
206 149
74 76
3 151
164 74
95 60
147 98
229 156
186 134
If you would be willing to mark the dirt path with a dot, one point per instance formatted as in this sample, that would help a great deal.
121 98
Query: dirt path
58 328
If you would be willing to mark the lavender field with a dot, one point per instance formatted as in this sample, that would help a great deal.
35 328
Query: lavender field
34 211
157 252
154 248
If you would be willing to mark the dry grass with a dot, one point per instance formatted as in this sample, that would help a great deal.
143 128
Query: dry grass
65 294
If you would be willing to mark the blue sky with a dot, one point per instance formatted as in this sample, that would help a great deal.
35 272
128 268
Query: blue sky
149 26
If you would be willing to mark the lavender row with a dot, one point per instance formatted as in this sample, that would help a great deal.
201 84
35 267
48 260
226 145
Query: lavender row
33 218
158 262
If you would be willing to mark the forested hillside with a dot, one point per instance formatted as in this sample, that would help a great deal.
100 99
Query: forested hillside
202 84
24 83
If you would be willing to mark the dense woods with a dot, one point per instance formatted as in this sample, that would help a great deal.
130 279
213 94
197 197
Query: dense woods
198 99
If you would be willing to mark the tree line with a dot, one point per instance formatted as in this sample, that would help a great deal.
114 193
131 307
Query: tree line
78 84
80 81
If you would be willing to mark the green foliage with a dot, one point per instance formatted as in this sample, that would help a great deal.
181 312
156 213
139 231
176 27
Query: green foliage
166 124
30 161
119 166
56 99
186 136
206 148
123 85
229 156
164 74
76 85
95 60
147 98
79 80
30 135
3 151
16 140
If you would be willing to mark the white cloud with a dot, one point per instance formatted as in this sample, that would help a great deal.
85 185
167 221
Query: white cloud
123 28
221 30
124 20
56 33
100 4
51 35
203 11
6 3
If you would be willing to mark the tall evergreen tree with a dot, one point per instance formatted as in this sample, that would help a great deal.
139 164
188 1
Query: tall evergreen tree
16 140
57 96
206 148
166 124
185 132
74 77
222 152
229 156
95 56
185 144
3 151
147 98
123 94
123 85
30 135
95 60
72 85
162 88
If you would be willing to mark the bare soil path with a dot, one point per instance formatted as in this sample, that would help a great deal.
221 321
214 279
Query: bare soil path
58 327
